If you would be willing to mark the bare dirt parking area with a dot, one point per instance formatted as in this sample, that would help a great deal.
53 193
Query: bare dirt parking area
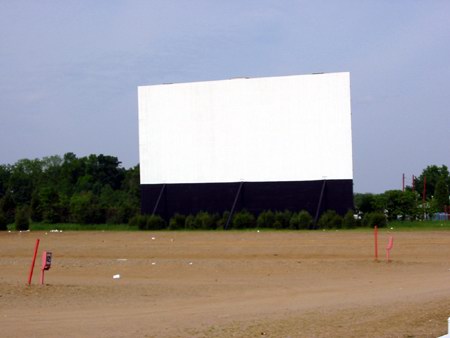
226 284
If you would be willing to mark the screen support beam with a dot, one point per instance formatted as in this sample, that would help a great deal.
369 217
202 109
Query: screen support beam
316 218
230 216
159 199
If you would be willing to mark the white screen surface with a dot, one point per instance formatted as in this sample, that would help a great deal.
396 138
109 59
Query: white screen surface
291 128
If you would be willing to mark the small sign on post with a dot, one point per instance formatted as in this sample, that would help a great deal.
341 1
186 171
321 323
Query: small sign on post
46 263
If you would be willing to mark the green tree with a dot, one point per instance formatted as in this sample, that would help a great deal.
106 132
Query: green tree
440 197
433 174
25 177
8 207
5 172
374 218
71 170
399 204
35 208
22 219
104 170
3 222
49 204
131 184
55 187
84 208
51 171
365 202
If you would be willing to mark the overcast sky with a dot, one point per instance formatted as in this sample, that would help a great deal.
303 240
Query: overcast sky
69 70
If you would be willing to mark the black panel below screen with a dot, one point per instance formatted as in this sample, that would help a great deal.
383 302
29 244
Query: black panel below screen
190 198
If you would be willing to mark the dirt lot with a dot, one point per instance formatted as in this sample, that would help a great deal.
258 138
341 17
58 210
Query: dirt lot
226 284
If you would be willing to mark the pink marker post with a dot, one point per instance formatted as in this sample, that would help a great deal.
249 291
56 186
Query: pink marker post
389 247
375 233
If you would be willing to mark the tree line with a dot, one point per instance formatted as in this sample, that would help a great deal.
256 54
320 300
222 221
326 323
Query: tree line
55 189
97 189
428 194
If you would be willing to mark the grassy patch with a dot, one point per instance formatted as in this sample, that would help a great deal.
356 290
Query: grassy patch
397 225
420 225
81 227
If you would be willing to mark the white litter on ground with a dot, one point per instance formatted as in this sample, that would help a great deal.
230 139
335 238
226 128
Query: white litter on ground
122 259
153 238
116 276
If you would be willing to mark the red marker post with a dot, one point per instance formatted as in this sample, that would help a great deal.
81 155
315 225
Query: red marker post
30 276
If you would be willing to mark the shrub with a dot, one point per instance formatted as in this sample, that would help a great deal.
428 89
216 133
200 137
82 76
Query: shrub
139 221
265 219
118 214
133 221
277 225
155 222
349 221
205 221
216 218
243 220
374 218
329 220
177 222
189 223
222 221
301 220
128 210
282 219
22 219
